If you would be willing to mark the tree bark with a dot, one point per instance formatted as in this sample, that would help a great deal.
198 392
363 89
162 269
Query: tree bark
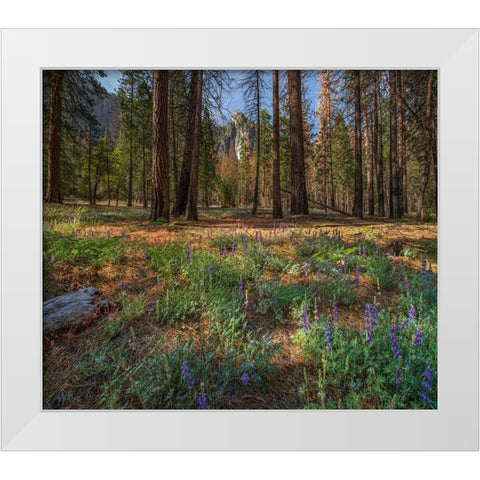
53 194
276 195
358 193
257 160
395 211
299 203
160 167
371 167
428 157
130 148
181 192
378 133
402 164
192 205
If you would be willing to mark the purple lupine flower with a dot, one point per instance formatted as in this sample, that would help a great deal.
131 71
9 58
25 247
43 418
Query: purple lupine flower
241 291
144 254
245 378
406 286
418 338
315 311
411 315
340 271
121 285
328 337
275 303
364 249
370 320
394 341
319 272
210 270
398 382
305 322
424 397
426 386
223 253
374 248
357 275
268 338
108 234
428 374
186 375
335 311
202 271
187 254
330 269
232 251
345 262
202 401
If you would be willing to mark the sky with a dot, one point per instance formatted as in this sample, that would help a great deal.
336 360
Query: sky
234 100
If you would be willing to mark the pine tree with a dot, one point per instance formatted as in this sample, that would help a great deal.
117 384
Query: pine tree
358 194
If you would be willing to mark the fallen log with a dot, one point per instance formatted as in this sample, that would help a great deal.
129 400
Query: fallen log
73 308
320 204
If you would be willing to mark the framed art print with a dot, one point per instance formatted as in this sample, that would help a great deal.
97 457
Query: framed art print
239 239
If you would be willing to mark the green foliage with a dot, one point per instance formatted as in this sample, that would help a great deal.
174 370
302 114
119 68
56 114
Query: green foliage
94 251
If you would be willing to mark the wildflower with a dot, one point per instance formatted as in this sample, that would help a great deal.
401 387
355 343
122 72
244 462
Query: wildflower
428 374
394 341
202 271
418 338
330 269
210 270
268 338
345 263
319 272
426 386
121 285
275 303
232 252
370 320
315 311
144 254
340 271
335 311
241 291
108 234
411 315
305 322
328 337
407 287
202 401
357 275
52 259
223 253
245 378
187 254
364 250
424 397
186 375
398 382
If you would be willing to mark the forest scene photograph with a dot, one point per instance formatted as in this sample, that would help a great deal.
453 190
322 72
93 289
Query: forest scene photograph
239 239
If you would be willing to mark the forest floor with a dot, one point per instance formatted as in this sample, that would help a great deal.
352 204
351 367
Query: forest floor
177 311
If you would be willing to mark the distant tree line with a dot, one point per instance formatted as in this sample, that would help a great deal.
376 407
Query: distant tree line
368 147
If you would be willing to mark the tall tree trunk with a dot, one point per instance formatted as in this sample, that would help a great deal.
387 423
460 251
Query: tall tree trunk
358 193
277 195
428 157
160 167
395 199
173 137
53 194
192 205
371 167
108 170
402 176
89 153
181 192
378 134
144 176
257 160
299 203
130 148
